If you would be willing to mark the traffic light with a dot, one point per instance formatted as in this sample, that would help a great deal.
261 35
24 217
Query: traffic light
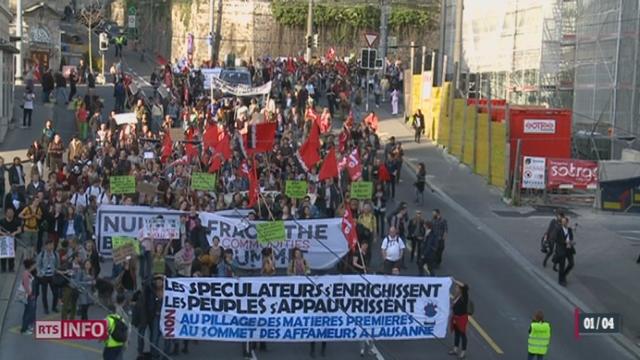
368 58
315 40
309 41
104 42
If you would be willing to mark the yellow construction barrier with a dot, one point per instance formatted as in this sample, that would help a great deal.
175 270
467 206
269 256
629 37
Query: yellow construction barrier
416 93
498 148
482 146
469 136
435 113
443 116
456 127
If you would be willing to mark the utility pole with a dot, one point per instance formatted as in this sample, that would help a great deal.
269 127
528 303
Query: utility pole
211 30
151 28
19 43
443 30
384 22
457 48
309 30
217 39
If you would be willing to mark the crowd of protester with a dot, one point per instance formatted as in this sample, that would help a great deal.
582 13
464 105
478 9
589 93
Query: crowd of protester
52 209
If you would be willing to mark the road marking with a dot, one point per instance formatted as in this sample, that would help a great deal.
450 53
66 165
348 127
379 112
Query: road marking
16 330
376 352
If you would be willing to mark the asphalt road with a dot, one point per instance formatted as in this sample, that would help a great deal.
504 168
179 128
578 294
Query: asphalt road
505 294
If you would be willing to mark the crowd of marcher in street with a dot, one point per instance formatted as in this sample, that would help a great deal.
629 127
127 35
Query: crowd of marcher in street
253 144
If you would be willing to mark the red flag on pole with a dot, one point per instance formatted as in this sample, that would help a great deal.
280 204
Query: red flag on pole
329 167
167 146
349 228
210 137
383 173
308 152
216 163
254 186
223 147
260 138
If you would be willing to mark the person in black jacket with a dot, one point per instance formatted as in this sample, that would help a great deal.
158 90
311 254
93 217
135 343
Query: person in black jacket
37 154
565 251
550 237
14 199
16 175
47 85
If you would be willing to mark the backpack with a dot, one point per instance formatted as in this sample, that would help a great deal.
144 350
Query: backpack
470 307
120 330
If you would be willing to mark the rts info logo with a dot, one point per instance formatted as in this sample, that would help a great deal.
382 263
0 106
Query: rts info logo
71 330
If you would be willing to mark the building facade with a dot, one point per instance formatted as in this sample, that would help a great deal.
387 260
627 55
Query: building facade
7 51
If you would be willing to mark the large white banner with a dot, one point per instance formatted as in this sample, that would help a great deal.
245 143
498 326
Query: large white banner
298 308
321 240
238 90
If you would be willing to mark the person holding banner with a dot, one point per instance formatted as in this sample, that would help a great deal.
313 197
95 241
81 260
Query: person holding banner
460 309
9 226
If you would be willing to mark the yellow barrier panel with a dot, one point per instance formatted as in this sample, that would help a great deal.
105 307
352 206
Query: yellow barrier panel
498 145
443 116
456 131
469 136
482 146
416 93
435 112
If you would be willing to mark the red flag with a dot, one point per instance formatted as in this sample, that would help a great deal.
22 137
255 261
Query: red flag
353 165
383 173
254 186
216 163
329 167
223 147
349 228
260 138
372 121
308 152
291 66
342 68
210 137
167 146
342 140
190 149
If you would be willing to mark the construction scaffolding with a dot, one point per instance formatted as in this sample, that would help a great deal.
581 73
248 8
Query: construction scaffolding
522 49
606 96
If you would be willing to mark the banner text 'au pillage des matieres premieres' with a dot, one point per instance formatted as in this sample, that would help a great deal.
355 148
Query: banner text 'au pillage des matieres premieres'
297 308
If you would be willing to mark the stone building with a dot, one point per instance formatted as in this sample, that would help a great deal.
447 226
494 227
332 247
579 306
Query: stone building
41 35
7 50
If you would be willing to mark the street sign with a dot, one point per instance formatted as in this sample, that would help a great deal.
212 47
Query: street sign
131 23
132 11
371 38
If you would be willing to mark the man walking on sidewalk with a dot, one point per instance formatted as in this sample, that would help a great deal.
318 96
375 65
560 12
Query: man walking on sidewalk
418 125
440 230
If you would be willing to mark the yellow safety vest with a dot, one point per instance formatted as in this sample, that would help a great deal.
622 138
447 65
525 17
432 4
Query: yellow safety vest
111 325
539 338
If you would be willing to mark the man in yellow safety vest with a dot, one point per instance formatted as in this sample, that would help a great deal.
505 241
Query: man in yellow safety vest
118 332
539 336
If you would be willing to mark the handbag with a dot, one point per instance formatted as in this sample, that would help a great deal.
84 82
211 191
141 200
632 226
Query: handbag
544 245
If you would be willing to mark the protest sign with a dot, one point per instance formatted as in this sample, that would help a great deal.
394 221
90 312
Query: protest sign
147 188
361 190
160 228
299 309
122 184
119 241
296 189
322 240
269 232
203 181
123 253
7 247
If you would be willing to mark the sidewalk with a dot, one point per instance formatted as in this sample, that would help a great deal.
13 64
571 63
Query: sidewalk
605 276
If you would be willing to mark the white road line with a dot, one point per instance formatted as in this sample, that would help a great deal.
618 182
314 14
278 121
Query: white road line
253 355
376 352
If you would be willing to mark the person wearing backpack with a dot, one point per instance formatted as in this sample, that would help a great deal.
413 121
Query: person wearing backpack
118 331
27 294
462 307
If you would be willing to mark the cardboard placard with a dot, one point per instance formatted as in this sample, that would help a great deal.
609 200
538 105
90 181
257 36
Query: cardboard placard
362 190
296 189
123 253
7 247
147 188
122 184
203 181
119 241
270 232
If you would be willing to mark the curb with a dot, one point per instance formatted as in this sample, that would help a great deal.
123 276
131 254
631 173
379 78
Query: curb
570 300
